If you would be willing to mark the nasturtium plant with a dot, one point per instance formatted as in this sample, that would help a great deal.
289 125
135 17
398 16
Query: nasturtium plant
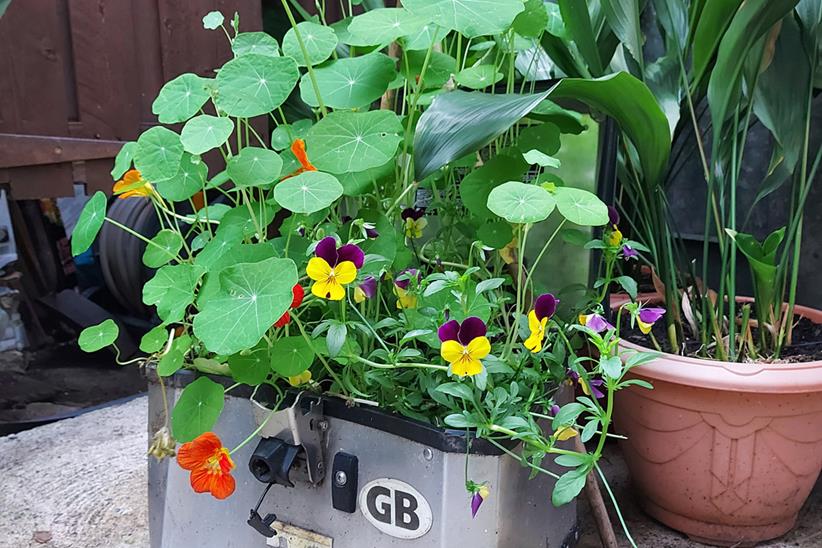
158 155
345 142
258 43
255 84
319 42
349 83
180 99
98 336
203 133
254 166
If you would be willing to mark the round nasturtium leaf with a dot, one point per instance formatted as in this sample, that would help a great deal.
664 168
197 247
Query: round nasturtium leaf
531 23
165 246
98 336
172 290
496 234
521 203
353 82
89 224
343 142
284 135
260 43
319 42
254 84
205 132
581 207
170 363
254 166
308 192
158 155
123 160
357 183
437 72
180 99
423 38
382 26
291 356
251 366
197 410
154 340
541 159
478 77
212 20
187 182
471 18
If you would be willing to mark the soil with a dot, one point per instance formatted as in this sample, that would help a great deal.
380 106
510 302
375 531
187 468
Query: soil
37 387
806 344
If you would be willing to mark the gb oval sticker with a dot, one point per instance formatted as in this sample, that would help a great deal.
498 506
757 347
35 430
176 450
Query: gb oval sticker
395 508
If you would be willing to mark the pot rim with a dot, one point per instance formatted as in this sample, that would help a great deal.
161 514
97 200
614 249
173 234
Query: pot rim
768 378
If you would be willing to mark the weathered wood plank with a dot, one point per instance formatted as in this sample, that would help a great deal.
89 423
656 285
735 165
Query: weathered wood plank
18 150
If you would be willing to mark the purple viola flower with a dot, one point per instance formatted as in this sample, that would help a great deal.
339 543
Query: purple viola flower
477 499
628 252
464 345
464 332
554 410
366 290
414 213
404 278
333 268
371 232
613 215
545 306
595 322
328 251
589 387
414 222
647 317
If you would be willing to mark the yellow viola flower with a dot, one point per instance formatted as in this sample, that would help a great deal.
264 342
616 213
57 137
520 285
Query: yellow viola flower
544 308
464 345
333 268
299 380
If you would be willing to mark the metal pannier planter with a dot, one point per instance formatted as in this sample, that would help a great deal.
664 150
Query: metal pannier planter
361 478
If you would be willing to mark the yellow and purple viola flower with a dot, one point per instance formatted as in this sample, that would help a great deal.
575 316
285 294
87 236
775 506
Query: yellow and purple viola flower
406 298
366 290
544 307
647 317
613 216
464 345
590 387
332 268
482 492
596 322
629 253
414 222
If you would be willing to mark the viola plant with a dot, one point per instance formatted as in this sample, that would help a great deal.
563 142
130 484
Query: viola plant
289 258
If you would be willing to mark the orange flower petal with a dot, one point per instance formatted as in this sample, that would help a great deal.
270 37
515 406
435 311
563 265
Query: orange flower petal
201 480
222 485
196 453
298 149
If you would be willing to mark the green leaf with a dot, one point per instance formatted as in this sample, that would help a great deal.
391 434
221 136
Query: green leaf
477 185
578 24
291 356
521 203
197 410
344 142
713 20
458 390
440 68
181 98
251 366
471 18
634 107
459 122
382 26
495 234
319 42
623 18
581 207
188 181
98 336
205 132
259 43
170 363
167 244
534 156
285 134
357 183
89 223
611 366
254 166
478 77
254 84
353 82
567 414
158 156
628 284
123 160
532 22
568 486
213 20
154 340
252 297
308 192
458 420
335 338
589 431
172 290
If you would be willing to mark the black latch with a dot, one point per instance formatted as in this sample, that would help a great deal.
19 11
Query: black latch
345 475
272 461
262 524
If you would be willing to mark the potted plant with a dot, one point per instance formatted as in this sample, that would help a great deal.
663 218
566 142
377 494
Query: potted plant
725 448
310 306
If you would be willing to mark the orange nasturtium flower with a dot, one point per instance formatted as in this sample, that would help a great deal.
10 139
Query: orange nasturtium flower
298 150
132 184
210 465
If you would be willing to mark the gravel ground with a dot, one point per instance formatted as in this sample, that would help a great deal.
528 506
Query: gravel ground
77 483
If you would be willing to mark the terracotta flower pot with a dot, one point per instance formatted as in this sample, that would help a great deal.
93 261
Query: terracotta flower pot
724 452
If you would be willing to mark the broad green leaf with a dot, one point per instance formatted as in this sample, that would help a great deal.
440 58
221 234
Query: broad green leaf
254 166
166 245
260 43
254 84
284 135
197 410
154 340
89 224
478 77
634 107
172 290
343 142
383 25
205 132
569 485
478 184
578 24
180 99
252 297
234 254
308 192
319 42
335 338
170 363
521 203
459 122
422 39
187 182
212 20
542 137
439 70
351 82
158 156
123 160
581 207
495 234
98 336
357 183
531 22
534 156
251 366
291 356
471 18
623 18
753 20
713 20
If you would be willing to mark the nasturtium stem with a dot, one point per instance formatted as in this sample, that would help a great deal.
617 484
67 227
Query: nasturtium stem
400 365
140 236
306 57
257 430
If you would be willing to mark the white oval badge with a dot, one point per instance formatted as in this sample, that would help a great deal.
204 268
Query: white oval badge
395 508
